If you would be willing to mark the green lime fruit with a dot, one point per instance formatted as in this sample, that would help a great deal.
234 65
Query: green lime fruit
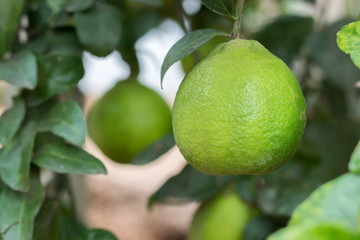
239 111
127 119
223 217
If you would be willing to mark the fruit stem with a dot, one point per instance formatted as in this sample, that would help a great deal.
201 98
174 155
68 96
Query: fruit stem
238 14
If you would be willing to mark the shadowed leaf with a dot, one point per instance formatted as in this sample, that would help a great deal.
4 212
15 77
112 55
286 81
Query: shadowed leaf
18 210
66 120
99 29
15 158
10 121
65 158
20 71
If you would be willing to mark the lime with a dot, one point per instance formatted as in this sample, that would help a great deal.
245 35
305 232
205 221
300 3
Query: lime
239 111
223 217
127 119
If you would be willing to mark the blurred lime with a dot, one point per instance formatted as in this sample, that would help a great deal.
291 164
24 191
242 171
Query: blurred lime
127 119
223 217
239 111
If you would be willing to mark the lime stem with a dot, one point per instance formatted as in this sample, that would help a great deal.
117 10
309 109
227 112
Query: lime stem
238 15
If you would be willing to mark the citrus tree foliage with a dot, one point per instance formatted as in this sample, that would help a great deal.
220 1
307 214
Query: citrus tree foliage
41 47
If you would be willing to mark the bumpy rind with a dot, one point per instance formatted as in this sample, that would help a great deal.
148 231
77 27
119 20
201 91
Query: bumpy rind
239 111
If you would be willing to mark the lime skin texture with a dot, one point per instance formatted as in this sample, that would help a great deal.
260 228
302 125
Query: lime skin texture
239 111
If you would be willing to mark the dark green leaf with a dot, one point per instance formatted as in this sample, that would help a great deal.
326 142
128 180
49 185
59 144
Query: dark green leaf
337 201
192 59
10 12
78 5
15 158
10 121
318 231
20 71
189 185
246 187
18 210
155 150
348 40
99 29
58 73
354 164
285 36
281 196
335 64
63 41
69 5
283 190
186 45
96 234
327 144
57 222
39 15
150 2
217 6
66 120
259 228
64 158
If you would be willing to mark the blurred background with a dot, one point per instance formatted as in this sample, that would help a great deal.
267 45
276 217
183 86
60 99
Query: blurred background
301 32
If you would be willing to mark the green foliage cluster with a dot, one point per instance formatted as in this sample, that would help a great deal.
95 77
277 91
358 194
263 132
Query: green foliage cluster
41 45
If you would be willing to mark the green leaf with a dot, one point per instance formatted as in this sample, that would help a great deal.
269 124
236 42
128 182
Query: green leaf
18 210
99 29
96 234
259 228
285 36
15 158
57 6
245 186
155 3
20 71
217 6
327 143
155 150
318 231
10 12
354 164
66 120
348 40
64 158
58 224
335 64
78 5
62 41
282 191
337 201
189 185
186 45
57 73
11 120
39 15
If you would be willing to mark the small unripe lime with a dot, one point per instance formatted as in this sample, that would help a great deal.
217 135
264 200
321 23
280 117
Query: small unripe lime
239 111
127 119
223 217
